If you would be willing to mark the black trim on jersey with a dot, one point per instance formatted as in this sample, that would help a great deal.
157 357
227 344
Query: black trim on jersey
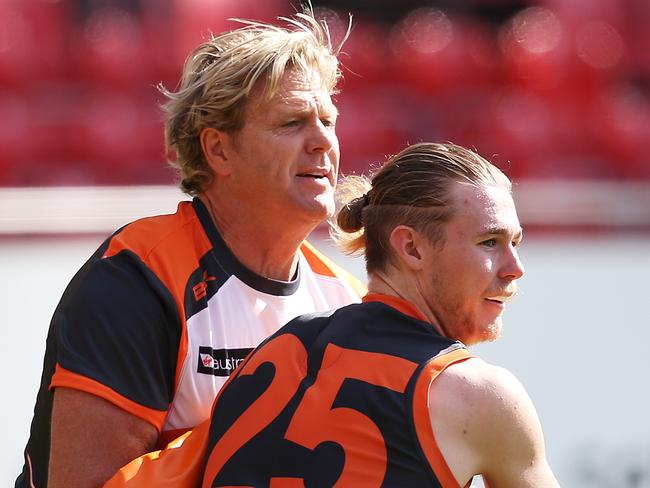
122 329
203 283
229 263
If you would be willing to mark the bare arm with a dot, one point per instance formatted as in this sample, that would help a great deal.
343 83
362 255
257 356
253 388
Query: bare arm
179 465
485 423
92 439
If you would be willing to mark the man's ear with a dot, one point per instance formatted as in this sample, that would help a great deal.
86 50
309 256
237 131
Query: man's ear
405 243
216 146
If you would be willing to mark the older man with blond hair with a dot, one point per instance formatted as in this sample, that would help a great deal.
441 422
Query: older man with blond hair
151 327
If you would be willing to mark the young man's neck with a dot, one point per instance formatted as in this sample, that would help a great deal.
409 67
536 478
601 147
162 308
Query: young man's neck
265 246
397 284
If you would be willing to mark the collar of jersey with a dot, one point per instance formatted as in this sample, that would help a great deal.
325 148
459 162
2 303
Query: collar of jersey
229 262
404 306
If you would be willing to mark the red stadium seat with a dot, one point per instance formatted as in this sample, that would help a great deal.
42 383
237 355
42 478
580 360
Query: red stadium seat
46 155
15 137
516 129
638 35
159 37
366 58
376 123
433 51
32 41
536 49
195 20
619 124
120 134
110 49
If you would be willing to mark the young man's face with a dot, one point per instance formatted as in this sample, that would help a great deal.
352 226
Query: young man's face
469 279
285 159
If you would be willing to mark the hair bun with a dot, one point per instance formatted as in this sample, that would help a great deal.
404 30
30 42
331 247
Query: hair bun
350 217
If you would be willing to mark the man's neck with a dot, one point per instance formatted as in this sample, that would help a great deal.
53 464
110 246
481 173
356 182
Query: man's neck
394 283
265 246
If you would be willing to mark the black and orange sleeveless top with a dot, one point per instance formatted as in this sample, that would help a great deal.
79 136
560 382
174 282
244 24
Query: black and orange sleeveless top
336 399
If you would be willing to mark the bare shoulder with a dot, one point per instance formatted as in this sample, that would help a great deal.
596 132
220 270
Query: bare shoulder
483 401
494 388
486 417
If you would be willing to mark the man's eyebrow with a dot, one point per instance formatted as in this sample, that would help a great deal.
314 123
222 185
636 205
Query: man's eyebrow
301 108
503 231
327 108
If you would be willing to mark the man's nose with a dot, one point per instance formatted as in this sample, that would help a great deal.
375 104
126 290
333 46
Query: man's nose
512 268
322 138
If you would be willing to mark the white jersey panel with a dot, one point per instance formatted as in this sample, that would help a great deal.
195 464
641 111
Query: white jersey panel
239 318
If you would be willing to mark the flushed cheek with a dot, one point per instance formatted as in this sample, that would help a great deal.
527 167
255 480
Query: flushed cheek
486 266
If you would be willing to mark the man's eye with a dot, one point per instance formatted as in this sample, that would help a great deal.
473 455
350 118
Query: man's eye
327 122
291 123
489 243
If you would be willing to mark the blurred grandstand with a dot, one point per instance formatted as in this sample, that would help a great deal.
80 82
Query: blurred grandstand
557 92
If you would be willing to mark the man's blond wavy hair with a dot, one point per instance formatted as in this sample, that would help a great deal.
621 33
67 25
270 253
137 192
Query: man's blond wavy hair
220 74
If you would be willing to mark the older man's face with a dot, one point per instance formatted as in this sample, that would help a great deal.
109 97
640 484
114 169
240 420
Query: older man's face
286 157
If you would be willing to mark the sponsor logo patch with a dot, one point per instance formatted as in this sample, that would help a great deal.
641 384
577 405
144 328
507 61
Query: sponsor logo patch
220 362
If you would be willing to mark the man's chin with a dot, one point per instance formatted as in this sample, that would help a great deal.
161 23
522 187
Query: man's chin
493 331
320 208
489 333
